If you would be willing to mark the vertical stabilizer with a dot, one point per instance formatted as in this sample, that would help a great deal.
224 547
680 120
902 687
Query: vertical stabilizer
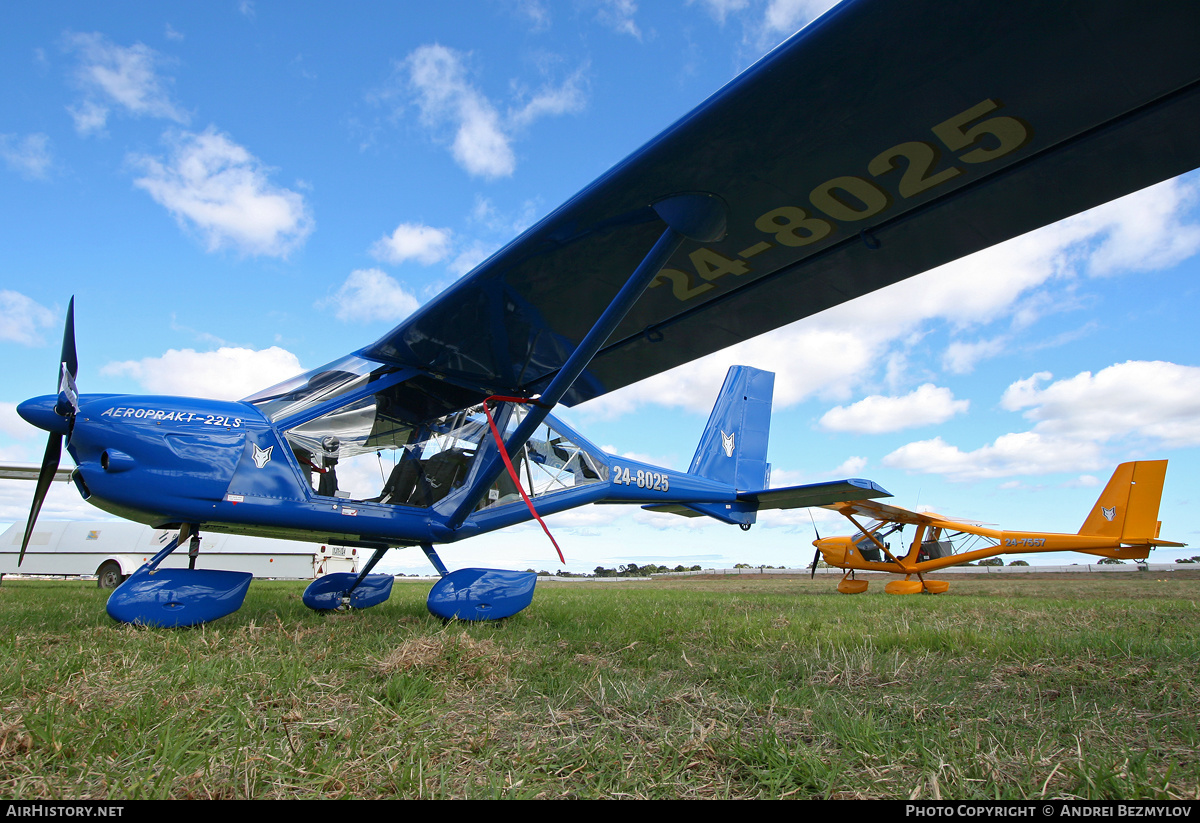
1128 508
733 448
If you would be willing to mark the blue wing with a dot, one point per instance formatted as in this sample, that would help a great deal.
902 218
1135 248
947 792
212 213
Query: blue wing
883 140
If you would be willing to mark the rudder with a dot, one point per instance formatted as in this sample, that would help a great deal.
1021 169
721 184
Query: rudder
1128 508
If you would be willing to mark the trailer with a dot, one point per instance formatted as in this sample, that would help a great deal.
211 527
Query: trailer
111 550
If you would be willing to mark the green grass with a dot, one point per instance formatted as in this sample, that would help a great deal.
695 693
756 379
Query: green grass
1069 686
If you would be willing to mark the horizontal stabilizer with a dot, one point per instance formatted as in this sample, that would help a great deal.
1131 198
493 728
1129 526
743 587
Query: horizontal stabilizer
814 494
791 497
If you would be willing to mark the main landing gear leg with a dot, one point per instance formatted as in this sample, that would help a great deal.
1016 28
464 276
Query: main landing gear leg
341 591
171 598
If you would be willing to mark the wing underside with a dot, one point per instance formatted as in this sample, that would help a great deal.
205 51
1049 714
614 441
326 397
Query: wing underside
881 141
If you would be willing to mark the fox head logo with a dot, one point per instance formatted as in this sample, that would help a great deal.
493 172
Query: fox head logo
1109 514
262 456
727 443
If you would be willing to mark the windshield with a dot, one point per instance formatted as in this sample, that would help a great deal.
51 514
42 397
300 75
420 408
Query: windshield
293 396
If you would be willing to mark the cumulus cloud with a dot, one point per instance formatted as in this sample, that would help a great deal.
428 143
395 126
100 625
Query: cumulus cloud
28 156
1010 454
1154 400
447 98
216 187
1148 404
413 241
21 318
228 373
482 137
368 295
123 76
876 414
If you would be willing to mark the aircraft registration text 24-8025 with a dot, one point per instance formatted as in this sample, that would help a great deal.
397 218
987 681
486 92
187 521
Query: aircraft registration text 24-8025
850 198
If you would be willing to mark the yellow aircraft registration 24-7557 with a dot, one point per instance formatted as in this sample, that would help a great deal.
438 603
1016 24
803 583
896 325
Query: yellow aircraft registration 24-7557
1123 524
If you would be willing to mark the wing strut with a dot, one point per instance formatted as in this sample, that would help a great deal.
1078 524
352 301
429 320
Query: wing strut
693 216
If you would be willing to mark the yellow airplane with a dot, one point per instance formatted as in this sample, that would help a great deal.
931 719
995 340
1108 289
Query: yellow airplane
1123 524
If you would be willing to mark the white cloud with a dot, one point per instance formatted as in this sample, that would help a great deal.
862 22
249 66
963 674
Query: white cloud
876 414
565 98
1144 231
482 141
368 295
413 241
851 467
1011 454
215 186
225 374
126 77
29 156
1153 400
21 318
445 96
1152 404
960 357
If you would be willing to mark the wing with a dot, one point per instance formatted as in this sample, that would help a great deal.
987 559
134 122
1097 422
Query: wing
894 514
881 141
882 511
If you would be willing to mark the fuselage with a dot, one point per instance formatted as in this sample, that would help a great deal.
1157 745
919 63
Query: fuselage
226 466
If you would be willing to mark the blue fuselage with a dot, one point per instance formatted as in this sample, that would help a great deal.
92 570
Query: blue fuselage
225 467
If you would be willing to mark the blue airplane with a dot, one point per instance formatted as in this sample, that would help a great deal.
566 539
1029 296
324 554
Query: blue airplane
880 141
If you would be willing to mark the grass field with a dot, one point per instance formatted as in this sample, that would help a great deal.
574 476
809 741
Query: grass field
1063 686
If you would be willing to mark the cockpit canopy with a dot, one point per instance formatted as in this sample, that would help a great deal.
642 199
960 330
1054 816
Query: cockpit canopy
380 445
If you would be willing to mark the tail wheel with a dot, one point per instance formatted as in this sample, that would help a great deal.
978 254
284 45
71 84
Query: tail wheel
109 576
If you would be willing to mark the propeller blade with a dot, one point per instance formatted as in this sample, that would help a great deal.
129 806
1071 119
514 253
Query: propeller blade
817 556
69 355
67 406
68 395
45 478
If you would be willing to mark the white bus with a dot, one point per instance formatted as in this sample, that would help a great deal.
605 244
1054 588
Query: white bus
111 550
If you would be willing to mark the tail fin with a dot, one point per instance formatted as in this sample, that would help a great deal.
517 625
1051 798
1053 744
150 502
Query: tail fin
733 448
1128 508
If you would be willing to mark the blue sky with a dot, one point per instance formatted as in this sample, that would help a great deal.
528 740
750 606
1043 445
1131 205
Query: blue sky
235 192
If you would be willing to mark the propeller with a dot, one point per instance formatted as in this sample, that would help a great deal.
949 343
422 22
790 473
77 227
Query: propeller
66 406
817 554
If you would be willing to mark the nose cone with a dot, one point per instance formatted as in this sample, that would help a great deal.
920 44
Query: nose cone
39 411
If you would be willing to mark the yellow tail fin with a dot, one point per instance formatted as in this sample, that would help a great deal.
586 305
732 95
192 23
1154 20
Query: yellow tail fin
1128 508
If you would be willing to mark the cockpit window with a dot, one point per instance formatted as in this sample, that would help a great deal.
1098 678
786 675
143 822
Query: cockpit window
366 452
550 461
371 450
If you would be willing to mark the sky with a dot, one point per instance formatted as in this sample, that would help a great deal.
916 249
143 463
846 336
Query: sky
235 192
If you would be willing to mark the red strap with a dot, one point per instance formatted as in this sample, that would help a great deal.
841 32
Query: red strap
513 472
